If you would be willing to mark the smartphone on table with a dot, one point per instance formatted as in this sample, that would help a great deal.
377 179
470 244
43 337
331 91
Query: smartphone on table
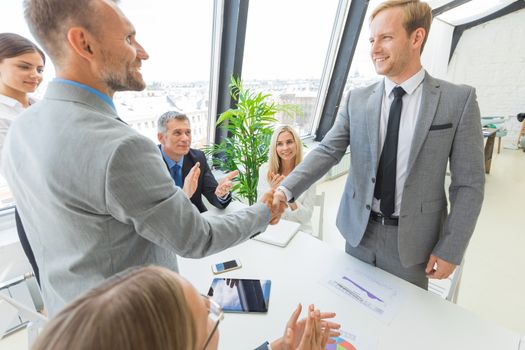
226 266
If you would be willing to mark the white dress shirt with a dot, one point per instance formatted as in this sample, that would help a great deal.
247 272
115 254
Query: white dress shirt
407 125
9 110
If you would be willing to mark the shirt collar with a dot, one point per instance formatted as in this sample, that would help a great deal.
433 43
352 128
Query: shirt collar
409 85
108 100
171 163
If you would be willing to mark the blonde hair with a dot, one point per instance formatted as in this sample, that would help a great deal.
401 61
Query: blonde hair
274 161
143 308
417 15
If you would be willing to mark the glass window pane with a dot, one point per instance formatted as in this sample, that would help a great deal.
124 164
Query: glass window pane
362 72
177 36
285 50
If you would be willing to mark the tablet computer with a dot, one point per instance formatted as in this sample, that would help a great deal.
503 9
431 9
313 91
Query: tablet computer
241 295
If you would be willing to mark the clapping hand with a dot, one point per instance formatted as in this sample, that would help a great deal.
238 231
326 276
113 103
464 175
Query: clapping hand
311 333
275 180
225 184
192 180
275 210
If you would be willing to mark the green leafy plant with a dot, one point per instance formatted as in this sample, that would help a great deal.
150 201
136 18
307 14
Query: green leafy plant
249 125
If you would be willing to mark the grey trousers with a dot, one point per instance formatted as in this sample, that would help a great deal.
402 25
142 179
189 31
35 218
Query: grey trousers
379 248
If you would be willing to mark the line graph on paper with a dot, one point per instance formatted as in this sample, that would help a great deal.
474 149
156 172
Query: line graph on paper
379 299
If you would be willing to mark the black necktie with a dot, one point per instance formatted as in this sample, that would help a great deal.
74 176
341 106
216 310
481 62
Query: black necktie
385 189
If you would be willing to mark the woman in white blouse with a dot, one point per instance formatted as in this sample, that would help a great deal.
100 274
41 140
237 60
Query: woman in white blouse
286 152
21 68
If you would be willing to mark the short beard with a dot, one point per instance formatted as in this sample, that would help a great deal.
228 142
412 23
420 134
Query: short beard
117 82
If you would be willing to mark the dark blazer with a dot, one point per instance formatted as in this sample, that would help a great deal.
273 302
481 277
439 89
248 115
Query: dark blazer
207 183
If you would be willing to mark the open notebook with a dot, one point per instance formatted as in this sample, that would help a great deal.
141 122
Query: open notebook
279 234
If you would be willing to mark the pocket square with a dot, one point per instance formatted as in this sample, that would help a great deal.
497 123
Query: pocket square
440 126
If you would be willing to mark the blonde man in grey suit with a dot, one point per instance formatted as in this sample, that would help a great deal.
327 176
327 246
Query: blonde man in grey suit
94 195
393 211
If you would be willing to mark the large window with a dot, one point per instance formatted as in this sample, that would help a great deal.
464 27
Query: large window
285 52
177 36
362 72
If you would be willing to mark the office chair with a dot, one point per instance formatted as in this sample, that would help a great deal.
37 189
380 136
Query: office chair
33 320
448 288
319 202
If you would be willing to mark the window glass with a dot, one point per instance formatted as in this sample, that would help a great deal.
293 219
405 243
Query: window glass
362 71
177 35
285 50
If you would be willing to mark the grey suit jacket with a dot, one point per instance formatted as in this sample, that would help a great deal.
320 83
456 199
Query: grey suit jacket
96 198
448 129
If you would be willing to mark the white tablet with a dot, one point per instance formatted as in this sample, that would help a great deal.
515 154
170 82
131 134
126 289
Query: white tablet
279 234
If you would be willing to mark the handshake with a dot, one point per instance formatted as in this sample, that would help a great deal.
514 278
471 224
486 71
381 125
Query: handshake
275 200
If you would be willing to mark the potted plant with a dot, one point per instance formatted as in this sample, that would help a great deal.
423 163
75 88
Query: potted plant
249 125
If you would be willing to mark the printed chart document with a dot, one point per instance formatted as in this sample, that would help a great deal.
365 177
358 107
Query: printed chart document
356 286
352 340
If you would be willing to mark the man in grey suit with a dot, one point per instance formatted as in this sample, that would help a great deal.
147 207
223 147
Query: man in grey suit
402 132
94 195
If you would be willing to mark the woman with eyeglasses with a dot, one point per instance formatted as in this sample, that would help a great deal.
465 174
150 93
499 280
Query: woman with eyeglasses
21 67
154 308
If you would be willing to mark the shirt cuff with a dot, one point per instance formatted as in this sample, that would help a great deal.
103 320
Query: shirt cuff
287 193
225 198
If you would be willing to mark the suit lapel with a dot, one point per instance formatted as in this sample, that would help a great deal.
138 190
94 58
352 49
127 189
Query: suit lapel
373 115
427 112
188 163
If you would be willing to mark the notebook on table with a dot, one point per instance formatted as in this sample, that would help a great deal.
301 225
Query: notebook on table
279 234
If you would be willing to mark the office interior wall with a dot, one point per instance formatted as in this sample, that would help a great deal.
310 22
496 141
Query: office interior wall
491 57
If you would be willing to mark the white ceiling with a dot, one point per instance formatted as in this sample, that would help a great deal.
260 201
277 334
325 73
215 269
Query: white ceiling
470 11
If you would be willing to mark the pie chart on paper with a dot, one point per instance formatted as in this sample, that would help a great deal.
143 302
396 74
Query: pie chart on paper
340 344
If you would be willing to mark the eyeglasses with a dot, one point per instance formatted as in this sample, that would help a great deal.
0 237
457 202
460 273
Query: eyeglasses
216 314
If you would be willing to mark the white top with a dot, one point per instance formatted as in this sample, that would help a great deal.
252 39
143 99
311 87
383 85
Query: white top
407 125
9 110
305 202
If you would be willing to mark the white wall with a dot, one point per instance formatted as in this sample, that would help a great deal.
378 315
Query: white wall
491 57
437 49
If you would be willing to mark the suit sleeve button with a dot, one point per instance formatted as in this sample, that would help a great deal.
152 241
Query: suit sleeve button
373 180
367 207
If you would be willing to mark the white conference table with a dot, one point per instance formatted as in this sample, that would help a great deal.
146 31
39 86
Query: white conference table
425 321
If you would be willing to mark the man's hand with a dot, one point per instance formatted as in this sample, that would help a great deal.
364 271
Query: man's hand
275 210
225 184
275 180
442 270
310 333
192 180
279 200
